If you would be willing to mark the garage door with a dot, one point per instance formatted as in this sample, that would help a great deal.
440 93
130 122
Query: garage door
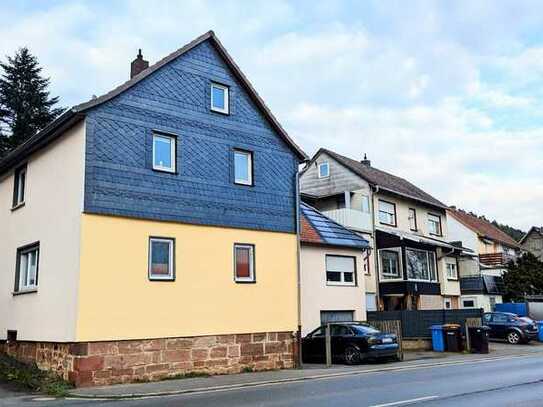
336 316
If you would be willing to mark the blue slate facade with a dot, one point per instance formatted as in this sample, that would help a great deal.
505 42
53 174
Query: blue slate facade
175 99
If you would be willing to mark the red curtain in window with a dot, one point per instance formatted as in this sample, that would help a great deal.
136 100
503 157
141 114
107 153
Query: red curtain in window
242 262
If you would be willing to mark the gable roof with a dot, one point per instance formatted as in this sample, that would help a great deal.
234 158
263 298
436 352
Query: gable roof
483 228
384 180
318 229
533 229
76 113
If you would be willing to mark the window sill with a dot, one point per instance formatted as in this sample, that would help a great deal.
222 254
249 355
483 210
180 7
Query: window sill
388 224
165 171
452 279
14 208
167 280
433 234
242 184
245 281
223 112
22 292
332 284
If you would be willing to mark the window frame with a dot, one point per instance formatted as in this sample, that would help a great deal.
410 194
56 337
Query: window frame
428 257
171 255
342 283
447 264
414 212
252 264
226 89
366 264
250 170
398 252
365 199
173 152
19 201
447 300
472 299
440 231
327 164
23 250
395 224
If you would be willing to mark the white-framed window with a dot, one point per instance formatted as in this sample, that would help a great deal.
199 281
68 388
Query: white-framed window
390 264
452 272
371 302
26 278
161 258
434 224
19 186
421 265
244 263
164 152
324 170
387 213
340 270
243 167
219 98
365 203
412 217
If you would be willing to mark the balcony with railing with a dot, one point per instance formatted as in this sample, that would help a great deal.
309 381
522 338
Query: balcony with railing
496 259
351 218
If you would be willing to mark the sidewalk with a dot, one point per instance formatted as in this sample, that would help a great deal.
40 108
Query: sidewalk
413 360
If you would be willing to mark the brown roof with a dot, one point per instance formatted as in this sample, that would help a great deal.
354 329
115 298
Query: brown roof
384 180
76 113
483 227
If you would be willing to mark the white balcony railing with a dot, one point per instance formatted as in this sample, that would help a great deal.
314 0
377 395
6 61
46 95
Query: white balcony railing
351 218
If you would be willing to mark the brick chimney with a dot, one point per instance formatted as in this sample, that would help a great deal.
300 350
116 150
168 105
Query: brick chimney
365 161
138 65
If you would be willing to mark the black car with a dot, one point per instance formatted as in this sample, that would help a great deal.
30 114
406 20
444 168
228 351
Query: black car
352 342
511 327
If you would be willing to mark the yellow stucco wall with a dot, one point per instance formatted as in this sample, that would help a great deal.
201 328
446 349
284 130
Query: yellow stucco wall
117 301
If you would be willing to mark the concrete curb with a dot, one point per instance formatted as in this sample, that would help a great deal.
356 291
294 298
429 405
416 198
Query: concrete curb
292 379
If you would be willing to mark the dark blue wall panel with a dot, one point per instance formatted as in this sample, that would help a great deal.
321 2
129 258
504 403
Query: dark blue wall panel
176 99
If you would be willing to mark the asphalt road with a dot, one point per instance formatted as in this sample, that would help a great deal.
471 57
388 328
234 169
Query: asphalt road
510 382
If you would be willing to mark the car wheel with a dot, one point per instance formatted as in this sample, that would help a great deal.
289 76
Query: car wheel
352 355
513 337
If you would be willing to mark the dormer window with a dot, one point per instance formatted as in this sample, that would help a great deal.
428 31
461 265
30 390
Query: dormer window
219 98
324 170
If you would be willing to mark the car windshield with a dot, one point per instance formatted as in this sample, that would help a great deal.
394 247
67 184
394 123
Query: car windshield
364 330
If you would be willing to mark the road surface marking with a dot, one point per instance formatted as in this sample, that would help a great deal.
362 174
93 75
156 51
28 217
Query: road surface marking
405 402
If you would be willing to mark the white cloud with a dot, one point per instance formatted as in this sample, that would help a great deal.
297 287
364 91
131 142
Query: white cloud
423 90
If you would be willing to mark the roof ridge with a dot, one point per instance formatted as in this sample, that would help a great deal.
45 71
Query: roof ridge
370 173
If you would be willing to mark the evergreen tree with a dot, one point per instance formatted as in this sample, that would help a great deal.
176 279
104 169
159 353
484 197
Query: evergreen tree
523 277
25 105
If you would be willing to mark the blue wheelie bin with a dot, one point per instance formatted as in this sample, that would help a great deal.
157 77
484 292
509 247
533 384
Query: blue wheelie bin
540 334
438 339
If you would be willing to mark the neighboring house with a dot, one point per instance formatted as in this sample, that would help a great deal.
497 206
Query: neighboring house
332 264
482 268
533 242
152 231
413 264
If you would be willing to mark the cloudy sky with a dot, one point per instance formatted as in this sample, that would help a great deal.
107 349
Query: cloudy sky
446 94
